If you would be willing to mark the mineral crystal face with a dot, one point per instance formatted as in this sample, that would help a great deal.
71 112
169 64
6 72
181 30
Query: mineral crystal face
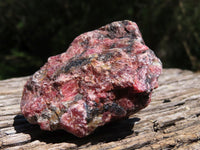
105 75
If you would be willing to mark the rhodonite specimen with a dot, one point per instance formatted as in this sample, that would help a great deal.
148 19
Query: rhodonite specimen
105 75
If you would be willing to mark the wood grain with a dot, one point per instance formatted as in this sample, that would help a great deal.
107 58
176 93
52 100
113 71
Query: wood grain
171 121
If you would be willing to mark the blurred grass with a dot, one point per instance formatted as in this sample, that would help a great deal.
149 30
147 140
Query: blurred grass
31 31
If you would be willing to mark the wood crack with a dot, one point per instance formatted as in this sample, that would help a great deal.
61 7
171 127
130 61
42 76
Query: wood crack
171 121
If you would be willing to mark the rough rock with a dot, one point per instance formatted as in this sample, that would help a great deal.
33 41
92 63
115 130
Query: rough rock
105 75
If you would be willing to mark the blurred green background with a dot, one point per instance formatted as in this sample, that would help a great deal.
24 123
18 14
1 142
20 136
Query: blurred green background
31 31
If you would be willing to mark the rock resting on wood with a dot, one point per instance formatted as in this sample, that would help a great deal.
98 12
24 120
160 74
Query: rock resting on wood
105 75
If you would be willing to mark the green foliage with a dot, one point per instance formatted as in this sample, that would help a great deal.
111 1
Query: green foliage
31 31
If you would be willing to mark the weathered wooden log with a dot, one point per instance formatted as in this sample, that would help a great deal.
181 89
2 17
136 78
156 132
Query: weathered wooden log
171 121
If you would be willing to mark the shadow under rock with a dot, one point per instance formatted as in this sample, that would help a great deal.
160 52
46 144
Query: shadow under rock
110 132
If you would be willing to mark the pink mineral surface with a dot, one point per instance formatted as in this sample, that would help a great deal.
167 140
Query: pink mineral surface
105 75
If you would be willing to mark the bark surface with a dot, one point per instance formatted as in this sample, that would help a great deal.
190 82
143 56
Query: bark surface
171 121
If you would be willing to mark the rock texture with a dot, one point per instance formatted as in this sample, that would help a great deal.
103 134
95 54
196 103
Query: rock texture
105 75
